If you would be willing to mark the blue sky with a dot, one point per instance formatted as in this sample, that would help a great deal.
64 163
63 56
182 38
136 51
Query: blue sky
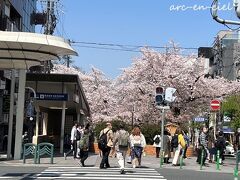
134 22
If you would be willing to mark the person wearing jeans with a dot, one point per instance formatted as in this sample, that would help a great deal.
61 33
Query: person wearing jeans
137 145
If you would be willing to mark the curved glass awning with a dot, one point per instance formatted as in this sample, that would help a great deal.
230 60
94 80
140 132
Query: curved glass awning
21 50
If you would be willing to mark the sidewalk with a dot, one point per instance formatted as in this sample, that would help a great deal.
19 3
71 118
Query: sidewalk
147 161
190 164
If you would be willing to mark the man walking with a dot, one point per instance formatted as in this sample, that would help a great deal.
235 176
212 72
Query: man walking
122 140
202 146
73 139
84 147
108 133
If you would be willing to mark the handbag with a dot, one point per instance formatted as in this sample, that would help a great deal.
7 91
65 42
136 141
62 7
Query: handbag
129 160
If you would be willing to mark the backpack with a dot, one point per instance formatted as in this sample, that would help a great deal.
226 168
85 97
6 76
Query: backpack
83 143
123 139
102 143
78 135
174 141
157 140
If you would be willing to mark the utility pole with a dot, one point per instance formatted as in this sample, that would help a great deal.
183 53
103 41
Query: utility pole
50 25
162 137
51 18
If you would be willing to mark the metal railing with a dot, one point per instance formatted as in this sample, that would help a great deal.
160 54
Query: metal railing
45 149
29 149
37 151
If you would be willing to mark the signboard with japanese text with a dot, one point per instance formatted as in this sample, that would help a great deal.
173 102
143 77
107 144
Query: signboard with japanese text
52 96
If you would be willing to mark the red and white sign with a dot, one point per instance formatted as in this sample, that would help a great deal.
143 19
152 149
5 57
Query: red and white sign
215 105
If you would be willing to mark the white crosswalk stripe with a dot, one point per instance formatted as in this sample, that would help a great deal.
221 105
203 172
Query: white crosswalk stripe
96 173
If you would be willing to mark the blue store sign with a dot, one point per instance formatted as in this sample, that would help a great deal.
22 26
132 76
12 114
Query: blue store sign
199 119
52 96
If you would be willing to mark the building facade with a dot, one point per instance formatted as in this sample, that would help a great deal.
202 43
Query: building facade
223 59
15 15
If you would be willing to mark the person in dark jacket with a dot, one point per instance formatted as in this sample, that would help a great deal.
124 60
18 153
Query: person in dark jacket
221 145
166 146
84 146
202 145
211 144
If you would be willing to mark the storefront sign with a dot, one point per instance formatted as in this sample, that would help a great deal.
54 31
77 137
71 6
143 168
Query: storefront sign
52 96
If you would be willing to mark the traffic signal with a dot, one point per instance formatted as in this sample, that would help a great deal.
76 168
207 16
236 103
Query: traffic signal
169 94
159 96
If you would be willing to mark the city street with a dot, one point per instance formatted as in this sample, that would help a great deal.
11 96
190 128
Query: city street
150 170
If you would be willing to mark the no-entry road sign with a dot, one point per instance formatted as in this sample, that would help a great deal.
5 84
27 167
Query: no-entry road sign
215 105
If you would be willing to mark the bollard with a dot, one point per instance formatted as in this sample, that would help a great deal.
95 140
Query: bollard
218 163
181 159
235 174
161 159
202 154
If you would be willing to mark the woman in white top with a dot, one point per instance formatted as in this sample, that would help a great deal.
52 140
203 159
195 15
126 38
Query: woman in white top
137 145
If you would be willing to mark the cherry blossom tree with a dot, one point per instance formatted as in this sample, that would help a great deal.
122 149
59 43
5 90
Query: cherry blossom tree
136 85
96 88
131 95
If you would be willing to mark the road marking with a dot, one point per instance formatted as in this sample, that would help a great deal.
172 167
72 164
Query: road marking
8 177
96 173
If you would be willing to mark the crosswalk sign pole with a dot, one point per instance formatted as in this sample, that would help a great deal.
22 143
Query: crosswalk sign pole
162 130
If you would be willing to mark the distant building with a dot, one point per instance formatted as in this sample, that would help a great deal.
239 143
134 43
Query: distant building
223 59
15 15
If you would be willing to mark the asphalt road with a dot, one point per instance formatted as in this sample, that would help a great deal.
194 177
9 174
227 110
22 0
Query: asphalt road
24 173
177 174
19 173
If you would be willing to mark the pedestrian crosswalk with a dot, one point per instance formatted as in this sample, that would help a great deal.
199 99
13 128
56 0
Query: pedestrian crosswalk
96 173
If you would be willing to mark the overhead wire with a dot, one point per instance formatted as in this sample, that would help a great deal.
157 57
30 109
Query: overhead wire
118 49
132 46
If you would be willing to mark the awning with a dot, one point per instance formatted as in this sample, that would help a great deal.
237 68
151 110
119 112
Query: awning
21 50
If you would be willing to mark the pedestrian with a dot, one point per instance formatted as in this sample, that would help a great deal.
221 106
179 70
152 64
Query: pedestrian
211 145
157 144
202 145
78 138
174 142
122 142
137 145
221 146
109 144
180 147
84 146
187 141
73 142
113 152
166 146
25 138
